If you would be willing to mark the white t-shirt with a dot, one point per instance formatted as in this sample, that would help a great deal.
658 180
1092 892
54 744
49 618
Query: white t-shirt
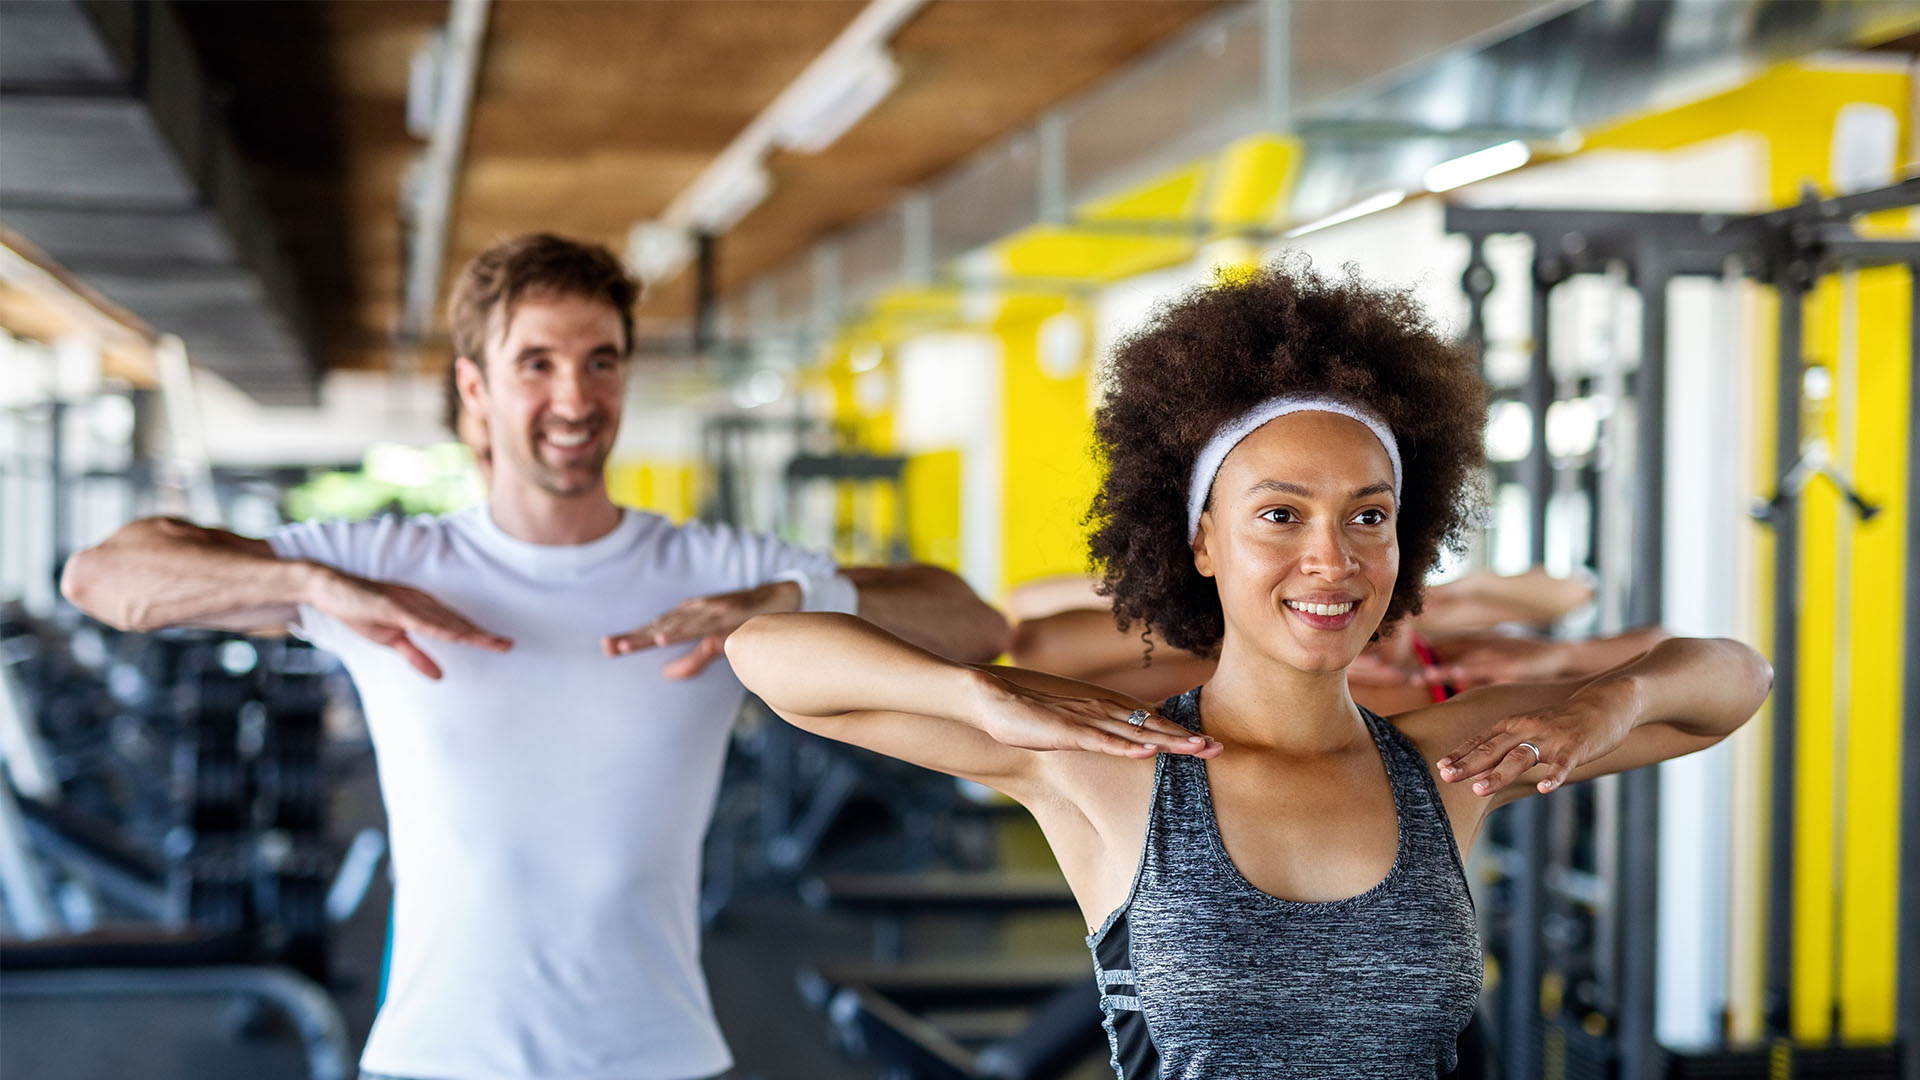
546 805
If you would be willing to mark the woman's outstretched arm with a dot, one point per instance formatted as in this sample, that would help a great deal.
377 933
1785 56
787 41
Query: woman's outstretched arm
846 679
1683 695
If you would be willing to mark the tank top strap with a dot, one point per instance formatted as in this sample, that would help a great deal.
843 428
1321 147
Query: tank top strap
1180 781
1424 815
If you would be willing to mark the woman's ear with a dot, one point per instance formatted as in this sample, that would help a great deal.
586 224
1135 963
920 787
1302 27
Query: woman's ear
1202 555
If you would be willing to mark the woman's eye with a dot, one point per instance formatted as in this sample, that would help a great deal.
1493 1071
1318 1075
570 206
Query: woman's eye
1279 515
1371 517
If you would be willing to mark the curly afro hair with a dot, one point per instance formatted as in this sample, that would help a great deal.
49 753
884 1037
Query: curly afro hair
1217 351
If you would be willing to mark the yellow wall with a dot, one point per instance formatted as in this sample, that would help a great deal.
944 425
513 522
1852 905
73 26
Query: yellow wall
1050 475
664 487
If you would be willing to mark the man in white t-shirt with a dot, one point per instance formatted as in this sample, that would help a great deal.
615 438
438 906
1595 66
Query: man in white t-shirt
546 790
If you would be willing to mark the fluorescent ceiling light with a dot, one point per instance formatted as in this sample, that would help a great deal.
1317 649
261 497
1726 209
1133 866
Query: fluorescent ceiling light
825 108
657 251
1478 165
1386 200
730 197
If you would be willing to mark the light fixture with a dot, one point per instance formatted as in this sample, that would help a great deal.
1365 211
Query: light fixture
1373 204
424 75
824 109
1478 165
865 356
657 251
731 196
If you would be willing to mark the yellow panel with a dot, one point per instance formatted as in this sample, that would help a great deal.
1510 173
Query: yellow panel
1170 197
1870 843
1813 849
1049 452
1058 253
626 484
1252 177
933 507
661 487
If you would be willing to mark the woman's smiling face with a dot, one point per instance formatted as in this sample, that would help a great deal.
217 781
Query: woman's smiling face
1300 537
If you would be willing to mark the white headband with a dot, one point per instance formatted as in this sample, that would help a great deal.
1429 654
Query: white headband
1207 465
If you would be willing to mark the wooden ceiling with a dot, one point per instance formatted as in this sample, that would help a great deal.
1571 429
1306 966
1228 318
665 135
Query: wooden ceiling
591 115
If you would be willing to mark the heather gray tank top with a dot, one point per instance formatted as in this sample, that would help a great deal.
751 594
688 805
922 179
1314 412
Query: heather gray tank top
1205 977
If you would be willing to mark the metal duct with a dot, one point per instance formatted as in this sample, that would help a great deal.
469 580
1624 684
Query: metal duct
115 160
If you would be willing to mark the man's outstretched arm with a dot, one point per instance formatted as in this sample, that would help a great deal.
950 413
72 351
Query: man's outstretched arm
160 572
924 605
931 608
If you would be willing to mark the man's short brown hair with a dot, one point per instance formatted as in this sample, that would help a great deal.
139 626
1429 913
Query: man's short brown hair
534 264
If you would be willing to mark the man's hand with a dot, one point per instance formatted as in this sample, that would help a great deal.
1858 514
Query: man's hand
1380 664
387 614
706 620
1495 659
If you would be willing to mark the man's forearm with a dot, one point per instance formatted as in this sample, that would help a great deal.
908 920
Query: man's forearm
160 572
931 608
1602 654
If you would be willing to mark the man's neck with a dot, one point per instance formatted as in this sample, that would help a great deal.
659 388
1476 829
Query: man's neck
527 513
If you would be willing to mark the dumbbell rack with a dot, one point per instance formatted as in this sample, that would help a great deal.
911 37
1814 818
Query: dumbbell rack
247 853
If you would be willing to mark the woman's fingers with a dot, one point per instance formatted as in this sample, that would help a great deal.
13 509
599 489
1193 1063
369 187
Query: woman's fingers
1161 728
1455 765
1511 765
1106 742
1501 756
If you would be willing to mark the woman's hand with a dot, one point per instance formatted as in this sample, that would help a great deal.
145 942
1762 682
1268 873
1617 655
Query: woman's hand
1036 720
1586 726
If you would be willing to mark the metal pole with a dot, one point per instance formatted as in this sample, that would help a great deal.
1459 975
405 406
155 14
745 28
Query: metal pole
432 212
1520 1023
60 510
705 292
1786 622
1907 1015
1276 64
1477 282
1640 1057
1537 471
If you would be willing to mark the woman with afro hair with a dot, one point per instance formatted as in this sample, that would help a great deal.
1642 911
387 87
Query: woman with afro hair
1272 874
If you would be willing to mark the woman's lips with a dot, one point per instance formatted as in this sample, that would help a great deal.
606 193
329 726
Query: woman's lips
1324 616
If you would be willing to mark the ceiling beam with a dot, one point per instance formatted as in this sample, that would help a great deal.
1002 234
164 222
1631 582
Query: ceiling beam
432 195
737 177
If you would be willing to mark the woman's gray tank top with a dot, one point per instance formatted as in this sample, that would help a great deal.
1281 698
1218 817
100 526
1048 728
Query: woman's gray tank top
1205 977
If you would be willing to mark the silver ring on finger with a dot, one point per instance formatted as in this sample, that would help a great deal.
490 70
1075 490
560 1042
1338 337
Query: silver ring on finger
1138 717
1536 752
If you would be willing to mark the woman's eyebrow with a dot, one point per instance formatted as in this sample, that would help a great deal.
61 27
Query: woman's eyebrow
1306 493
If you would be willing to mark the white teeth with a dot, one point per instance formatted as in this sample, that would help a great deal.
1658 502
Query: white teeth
1321 609
578 438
